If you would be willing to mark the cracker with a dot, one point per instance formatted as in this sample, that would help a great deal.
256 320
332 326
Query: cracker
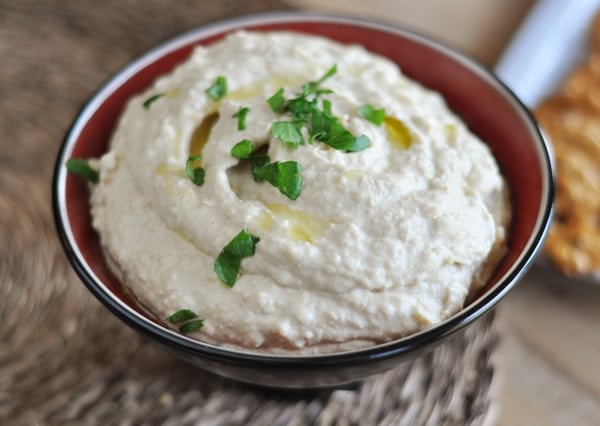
571 119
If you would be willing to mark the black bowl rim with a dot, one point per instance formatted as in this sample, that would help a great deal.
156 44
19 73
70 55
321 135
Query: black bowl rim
403 346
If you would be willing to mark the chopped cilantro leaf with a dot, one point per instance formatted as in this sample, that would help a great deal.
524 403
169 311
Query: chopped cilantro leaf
81 167
242 149
277 101
321 124
346 141
182 315
258 160
312 88
327 106
191 326
243 245
290 180
267 172
196 174
287 132
370 113
190 319
219 88
228 263
151 100
241 116
227 267
301 108
327 129
284 176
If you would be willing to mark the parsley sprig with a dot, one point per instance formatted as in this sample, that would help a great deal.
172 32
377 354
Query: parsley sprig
321 124
228 263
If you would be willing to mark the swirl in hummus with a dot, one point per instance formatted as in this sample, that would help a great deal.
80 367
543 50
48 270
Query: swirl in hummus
380 243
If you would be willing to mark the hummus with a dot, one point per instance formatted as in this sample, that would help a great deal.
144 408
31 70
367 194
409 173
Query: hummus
379 244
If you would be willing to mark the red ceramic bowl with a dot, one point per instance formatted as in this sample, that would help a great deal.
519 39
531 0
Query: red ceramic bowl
484 103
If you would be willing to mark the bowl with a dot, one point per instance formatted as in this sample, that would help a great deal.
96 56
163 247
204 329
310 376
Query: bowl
490 110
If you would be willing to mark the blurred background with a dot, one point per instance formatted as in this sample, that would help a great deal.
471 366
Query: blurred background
480 28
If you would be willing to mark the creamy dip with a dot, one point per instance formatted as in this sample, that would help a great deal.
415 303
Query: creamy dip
380 243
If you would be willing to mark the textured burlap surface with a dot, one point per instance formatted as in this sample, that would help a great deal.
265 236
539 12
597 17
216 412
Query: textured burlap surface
64 359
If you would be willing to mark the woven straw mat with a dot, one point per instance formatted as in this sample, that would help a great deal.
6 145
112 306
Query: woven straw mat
64 359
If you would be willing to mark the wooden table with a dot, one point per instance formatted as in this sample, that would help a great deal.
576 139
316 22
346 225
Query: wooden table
551 339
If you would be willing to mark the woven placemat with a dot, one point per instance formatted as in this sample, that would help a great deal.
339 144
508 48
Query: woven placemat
64 359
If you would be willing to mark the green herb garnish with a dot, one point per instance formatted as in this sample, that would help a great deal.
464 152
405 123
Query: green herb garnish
151 100
326 128
327 106
228 263
300 108
313 86
285 176
193 325
330 72
81 167
190 319
277 101
182 315
287 132
218 89
241 116
196 174
258 160
243 149
370 113
321 124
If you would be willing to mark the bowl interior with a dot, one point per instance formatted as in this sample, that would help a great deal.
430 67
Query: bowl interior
482 102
